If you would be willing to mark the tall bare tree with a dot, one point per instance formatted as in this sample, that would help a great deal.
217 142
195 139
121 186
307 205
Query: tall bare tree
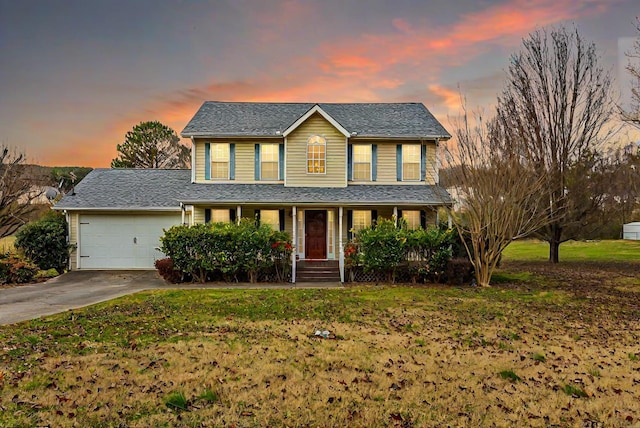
632 115
152 145
556 106
499 197
18 191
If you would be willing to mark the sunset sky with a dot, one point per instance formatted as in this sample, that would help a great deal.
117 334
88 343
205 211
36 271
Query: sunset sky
75 76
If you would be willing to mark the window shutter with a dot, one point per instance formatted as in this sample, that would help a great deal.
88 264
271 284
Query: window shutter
257 217
349 224
232 161
232 215
423 162
256 163
374 162
423 219
281 161
399 162
374 217
207 161
281 219
207 215
349 162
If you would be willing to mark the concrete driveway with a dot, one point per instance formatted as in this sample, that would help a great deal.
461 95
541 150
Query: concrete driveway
77 289
72 290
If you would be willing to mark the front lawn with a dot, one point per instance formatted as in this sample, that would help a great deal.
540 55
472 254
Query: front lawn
557 346
602 251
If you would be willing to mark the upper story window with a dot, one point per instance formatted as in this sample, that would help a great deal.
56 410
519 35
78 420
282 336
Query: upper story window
316 154
361 162
219 161
269 155
411 158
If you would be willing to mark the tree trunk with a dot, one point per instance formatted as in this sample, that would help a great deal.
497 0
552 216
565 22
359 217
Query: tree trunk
554 244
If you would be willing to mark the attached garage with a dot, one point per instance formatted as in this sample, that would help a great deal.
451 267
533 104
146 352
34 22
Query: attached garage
108 241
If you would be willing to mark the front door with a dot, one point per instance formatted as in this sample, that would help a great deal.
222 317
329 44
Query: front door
315 226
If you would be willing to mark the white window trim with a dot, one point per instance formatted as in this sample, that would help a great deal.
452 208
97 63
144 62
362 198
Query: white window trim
353 163
419 161
306 166
211 177
277 161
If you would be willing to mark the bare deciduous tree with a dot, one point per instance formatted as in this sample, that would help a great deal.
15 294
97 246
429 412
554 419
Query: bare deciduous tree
17 191
500 198
632 115
556 107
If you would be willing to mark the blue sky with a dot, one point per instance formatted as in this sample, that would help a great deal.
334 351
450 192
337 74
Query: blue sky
77 75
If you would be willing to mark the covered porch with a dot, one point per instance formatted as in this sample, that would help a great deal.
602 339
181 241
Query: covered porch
320 221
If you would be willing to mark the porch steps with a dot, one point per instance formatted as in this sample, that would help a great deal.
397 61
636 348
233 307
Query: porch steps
318 271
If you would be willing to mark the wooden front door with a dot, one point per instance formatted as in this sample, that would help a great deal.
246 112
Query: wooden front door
315 226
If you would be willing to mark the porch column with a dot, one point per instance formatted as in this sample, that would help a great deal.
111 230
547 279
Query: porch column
340 246
449 220
294 212
395 216
238 214
437 217
182 209
192 218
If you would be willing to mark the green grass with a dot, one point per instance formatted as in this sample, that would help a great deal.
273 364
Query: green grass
510 375
574 391
603 251
177 401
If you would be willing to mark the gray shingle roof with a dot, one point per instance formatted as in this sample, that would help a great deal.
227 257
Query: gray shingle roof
128 189
225 119
350 195
161 189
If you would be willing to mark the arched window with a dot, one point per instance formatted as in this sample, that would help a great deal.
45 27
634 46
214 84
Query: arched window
316 154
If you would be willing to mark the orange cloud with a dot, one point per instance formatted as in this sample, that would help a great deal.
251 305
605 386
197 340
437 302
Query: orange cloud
502 24
450 98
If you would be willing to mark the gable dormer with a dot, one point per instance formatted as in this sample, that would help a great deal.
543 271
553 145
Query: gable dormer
316 151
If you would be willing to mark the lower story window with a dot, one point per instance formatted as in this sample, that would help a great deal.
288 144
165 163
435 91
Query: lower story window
220 216
270 217
361 219
412 218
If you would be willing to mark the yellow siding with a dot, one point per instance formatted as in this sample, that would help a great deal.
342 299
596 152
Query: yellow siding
432 165
296 155
244 162
199 161
73 239
386 166
198 215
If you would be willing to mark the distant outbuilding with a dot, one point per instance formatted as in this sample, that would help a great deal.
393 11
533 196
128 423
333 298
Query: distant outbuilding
631 231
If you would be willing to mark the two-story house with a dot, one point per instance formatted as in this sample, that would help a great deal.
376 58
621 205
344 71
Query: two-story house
318 171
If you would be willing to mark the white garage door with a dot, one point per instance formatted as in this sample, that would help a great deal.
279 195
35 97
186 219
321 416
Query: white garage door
122 241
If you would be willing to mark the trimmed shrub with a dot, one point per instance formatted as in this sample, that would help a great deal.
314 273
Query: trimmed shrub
391 249
167 271
383 247
15 270
45 242
232 251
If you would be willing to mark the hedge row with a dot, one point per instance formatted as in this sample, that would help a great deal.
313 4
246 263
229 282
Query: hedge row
230 251
389 246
